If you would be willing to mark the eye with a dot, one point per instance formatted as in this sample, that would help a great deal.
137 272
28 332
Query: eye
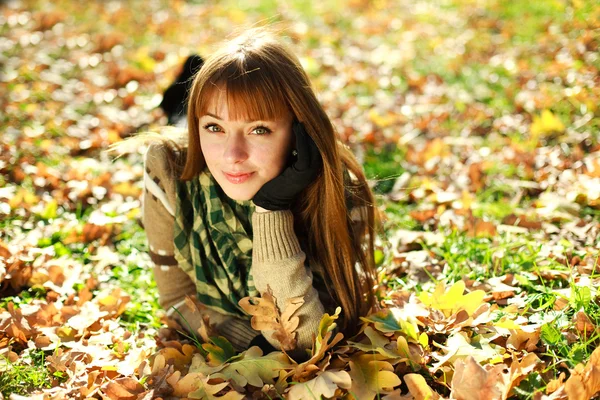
262 130
208 126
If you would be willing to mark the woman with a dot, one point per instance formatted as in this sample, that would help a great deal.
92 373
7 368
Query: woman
260 194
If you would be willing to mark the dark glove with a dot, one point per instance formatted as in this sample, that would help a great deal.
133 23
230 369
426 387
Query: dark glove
302 170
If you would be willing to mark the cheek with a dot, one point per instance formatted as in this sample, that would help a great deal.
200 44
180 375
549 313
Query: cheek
209 151
272 158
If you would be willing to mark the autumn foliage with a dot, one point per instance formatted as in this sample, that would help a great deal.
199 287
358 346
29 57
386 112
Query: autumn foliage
476 122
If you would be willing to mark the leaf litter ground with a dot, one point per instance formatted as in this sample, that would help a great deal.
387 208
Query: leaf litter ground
477 123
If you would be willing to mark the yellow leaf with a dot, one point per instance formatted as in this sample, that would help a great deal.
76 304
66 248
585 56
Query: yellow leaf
545 124
507 324
382 121
419 388
371 375
50 210
453 300
143 60
108 300
424 340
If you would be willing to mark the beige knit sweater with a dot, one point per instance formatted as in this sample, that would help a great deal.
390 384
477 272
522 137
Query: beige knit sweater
277 261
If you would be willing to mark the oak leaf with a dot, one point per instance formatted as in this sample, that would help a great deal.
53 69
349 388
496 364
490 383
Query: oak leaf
207 391
123 389
249 367
324 384
322 343
266 316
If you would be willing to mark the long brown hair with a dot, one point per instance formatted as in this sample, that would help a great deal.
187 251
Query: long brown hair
263 79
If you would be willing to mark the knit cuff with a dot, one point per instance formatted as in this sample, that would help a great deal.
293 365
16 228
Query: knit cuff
173 285
274 236
239 333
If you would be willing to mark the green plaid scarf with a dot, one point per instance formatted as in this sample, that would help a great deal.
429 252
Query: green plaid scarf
213 239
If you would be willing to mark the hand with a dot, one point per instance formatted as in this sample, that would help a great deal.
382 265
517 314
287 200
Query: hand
280 192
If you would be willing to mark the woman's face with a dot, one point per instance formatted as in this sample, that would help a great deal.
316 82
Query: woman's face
243 155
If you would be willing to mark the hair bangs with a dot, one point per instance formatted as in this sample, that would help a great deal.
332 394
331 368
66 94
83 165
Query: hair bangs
251 95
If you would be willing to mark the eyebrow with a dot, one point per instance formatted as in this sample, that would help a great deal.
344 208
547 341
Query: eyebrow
221 119
246 122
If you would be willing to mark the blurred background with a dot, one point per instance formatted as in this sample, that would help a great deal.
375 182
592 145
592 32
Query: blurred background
477 122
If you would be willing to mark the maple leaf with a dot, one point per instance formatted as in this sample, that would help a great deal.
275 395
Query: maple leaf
453 300
325 384
266 316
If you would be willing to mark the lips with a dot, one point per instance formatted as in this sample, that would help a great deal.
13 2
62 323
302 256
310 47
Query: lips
238 177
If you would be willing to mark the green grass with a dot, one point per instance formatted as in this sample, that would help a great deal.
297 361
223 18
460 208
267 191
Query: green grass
26 374
384 165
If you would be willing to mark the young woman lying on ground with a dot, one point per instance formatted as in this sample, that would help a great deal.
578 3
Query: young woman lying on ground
260 193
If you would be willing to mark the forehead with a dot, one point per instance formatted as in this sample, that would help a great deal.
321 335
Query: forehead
233 103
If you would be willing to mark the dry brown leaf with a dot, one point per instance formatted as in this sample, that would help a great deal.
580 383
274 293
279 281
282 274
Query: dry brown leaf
423 215
182 386
476 227
519 370
123 389
180 358
521 221
17 326
266 316
471 381
522 339
584 381
555 384
583 324
206 330
477 177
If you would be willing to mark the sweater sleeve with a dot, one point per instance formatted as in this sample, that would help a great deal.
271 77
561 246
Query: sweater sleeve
278 261
158 205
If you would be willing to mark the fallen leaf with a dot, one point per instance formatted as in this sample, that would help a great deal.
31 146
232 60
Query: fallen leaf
471 381
584 382
371 375
266 316
325 384
418 387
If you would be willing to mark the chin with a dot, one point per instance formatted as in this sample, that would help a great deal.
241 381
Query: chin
239 195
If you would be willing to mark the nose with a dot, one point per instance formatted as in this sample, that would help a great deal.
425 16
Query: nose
235 149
